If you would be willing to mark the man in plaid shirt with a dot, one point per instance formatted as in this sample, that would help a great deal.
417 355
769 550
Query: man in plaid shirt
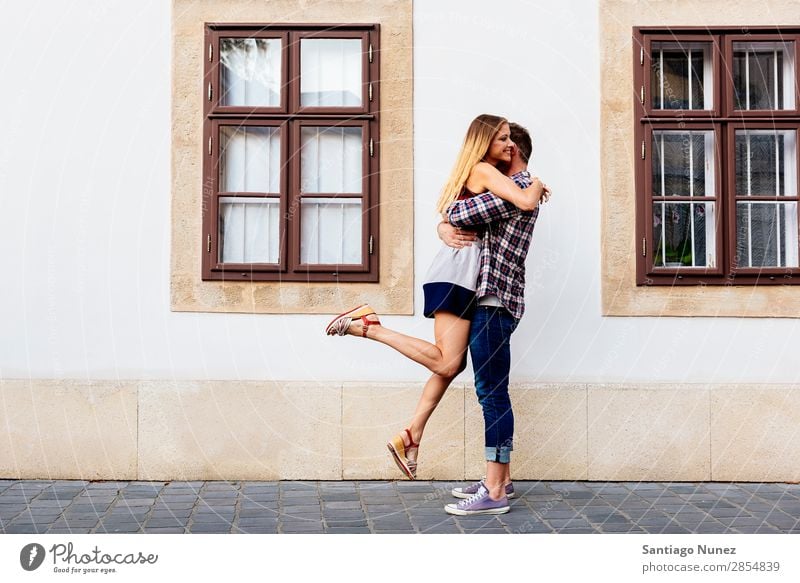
506 239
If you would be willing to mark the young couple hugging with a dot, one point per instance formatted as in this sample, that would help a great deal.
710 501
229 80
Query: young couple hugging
475 292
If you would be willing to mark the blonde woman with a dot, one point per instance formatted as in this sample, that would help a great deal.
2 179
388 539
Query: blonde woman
450 284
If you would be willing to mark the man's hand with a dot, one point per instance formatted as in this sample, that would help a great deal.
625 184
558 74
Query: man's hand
545 193
455 237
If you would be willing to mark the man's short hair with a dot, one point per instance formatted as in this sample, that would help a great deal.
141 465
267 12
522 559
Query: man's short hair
521 137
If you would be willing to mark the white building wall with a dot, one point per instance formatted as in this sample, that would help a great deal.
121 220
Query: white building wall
84 218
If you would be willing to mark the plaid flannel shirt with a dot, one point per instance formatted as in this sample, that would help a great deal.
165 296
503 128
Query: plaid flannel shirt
506 239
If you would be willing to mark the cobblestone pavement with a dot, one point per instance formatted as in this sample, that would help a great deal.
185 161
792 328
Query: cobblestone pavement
66 506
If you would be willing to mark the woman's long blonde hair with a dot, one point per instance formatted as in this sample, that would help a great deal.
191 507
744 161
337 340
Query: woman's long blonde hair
476 143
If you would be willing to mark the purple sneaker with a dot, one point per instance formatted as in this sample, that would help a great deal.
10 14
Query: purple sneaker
468 491
479 503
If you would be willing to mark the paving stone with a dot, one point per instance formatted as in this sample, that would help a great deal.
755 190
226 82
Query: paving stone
165 522
347 530
178 507
178 498
369 500
355 505
397 524
161 514
76 523
256 512
345 497
301 527
69 530
569 523
245 522
259 530
211 518
307 517
210 528
291 490
25 529
306 508
384 509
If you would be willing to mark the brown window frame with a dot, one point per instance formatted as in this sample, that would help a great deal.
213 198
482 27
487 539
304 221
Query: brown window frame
723 119
290 116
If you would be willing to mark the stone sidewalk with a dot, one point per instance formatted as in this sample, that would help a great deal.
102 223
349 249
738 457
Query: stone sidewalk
61 506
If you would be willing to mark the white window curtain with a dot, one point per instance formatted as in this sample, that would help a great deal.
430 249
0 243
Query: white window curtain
331 163
330 159
331 230
250 159
251 71
249 230
330 72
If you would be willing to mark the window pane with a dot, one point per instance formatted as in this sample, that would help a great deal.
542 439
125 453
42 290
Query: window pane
251 71
763 75
330 230
249 230
250 159
330 72
683 163
683 235
681 76
766 234
330 159
765 162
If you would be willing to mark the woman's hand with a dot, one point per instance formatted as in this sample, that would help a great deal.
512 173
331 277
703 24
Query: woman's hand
455 237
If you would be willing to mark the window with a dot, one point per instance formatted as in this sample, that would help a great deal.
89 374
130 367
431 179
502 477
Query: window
290 171
716 122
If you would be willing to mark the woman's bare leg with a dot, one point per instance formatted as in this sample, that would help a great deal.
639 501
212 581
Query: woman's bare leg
443 358
452 334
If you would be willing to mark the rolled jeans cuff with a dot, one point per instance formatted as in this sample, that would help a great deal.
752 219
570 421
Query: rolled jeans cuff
500 454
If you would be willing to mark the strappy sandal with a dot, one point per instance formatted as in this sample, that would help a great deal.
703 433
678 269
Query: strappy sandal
398 449
340 324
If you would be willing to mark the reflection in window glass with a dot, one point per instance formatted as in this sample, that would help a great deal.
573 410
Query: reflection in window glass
683 234
763 75
251 71
681 76
765 162
683 163
766 234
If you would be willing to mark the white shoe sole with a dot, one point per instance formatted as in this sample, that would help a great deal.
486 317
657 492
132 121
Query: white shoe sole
452 509
456 494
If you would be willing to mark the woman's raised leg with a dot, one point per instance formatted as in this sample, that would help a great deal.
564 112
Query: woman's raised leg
445 358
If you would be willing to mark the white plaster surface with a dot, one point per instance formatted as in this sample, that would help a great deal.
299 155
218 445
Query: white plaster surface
85 198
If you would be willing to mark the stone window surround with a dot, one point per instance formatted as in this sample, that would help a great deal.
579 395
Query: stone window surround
620 294
393 294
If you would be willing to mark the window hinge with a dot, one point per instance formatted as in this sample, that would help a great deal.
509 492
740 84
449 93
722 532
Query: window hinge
370 245
641 56
641 95
208 244
370 91
370 52
644 247
210 91
643 150
210 52
371 148
209 144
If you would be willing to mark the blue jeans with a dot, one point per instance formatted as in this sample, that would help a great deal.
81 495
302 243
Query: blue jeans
490 348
